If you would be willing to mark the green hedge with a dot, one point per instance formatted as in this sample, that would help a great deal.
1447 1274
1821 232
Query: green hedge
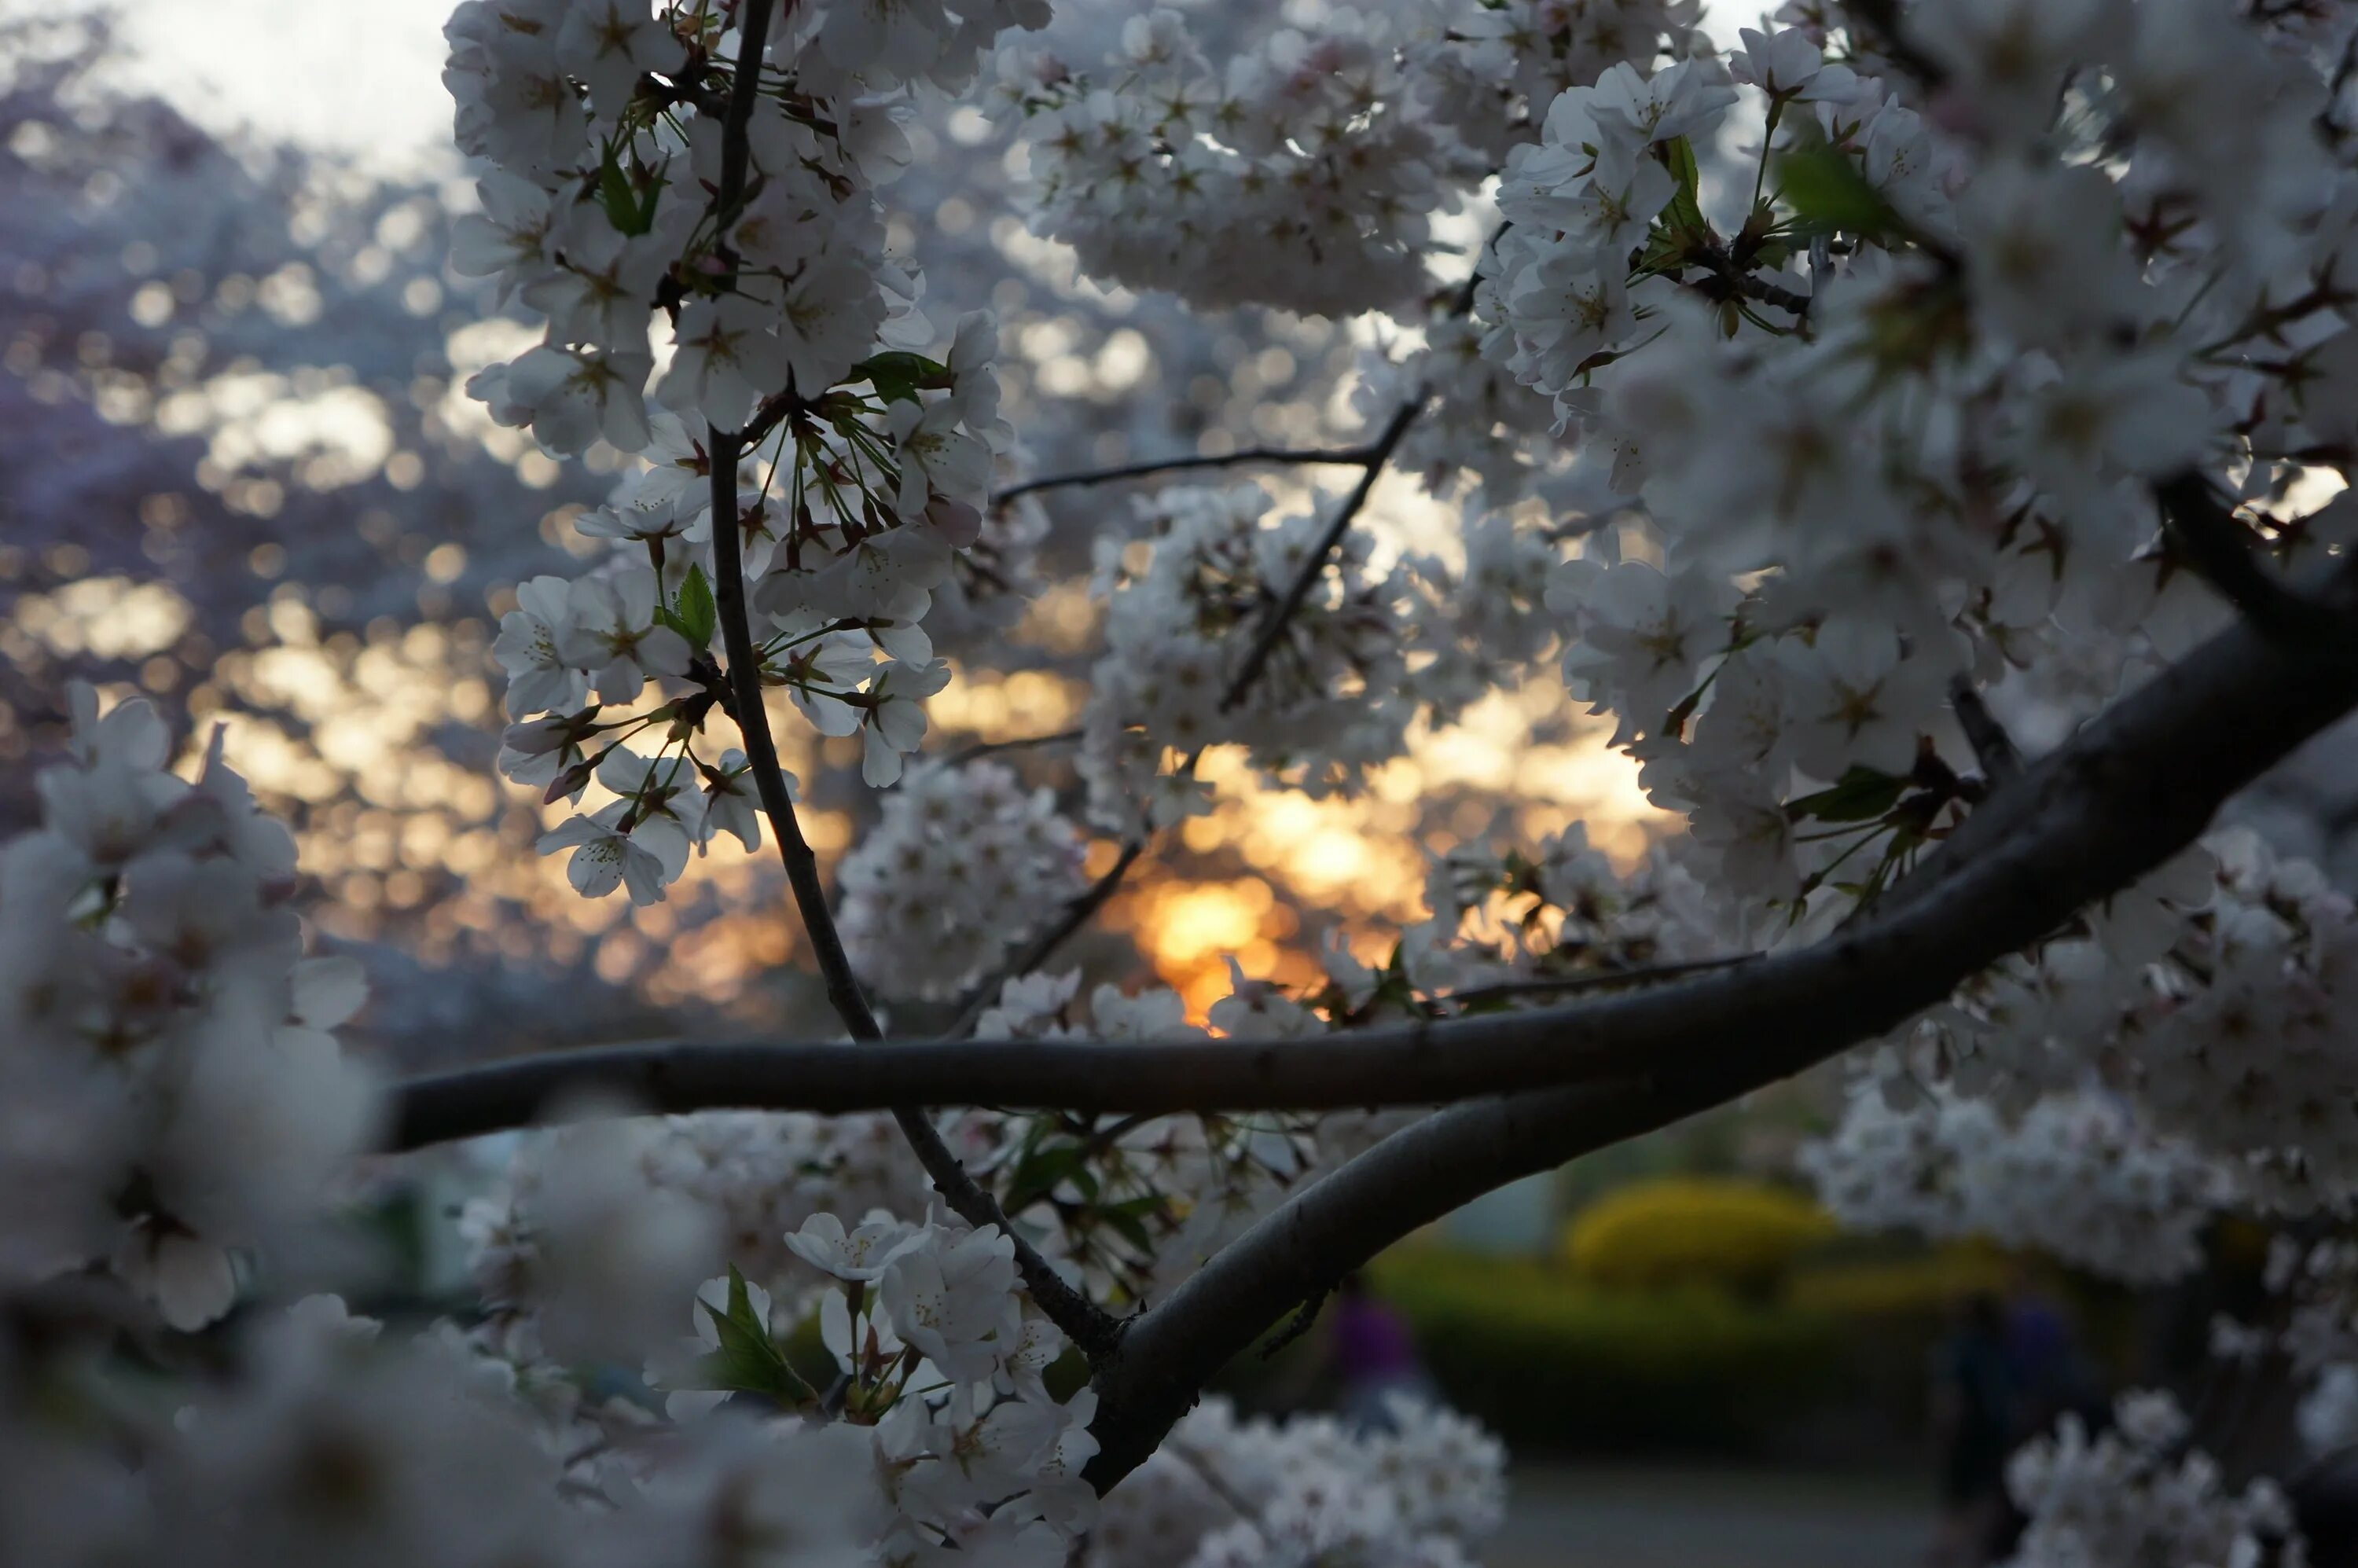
1551 1363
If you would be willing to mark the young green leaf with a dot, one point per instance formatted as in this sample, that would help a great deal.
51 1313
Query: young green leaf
1829 195
625 209
748 1360
697 613
1861 795
1686 202
898 376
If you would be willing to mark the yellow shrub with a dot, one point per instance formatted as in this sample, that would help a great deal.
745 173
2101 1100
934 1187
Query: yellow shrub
1694 1230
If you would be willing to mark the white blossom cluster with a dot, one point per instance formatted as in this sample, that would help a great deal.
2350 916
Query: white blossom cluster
2257 1036
179 1118
1926 450
1489 72
1334 697
2136 1493
1477 420
962 863
2207 995
2311 1315
2073 1177
1561 910
1226 1493
1297 174
171 1092
958 1446
867 465
340 1443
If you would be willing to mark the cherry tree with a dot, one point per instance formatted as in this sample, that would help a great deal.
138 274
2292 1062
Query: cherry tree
1923 430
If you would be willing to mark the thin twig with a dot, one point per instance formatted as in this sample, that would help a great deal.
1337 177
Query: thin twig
1271 631
1377 454
1213 1482
1353 457
965 754
1370 458
1088 1324
1600 979
1041 947
1993 749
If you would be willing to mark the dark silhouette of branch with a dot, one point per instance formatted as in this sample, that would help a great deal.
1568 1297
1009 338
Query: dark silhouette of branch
1271 631
2090 818
1597 980
1993 749
1043 944
2132 789
1340 457
1088 1324
1021 743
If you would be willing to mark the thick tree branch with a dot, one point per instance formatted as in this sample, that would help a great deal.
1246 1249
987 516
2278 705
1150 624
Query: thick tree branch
2128 791
1340 457
2134 789
1082 1320
1597 979
2094 815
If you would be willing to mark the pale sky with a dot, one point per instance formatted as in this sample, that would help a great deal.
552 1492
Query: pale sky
362 77
359 76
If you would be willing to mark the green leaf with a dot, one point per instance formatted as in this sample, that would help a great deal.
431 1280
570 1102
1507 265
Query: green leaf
1127 1219
695 615
1686 202
898 376
1040 1171
747 1361
624 206
1829 195
1862 795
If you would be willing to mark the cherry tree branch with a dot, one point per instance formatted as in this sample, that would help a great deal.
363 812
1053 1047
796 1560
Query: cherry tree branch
1021 743
1993 749
1083 1321
1271 629
1371 458
2134 787
1037 950
1339 457
2087 820
2131 790
1597 979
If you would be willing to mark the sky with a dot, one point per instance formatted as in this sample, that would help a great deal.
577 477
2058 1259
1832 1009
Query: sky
361 77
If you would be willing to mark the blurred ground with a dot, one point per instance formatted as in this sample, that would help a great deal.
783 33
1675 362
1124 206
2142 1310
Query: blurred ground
1600 1517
